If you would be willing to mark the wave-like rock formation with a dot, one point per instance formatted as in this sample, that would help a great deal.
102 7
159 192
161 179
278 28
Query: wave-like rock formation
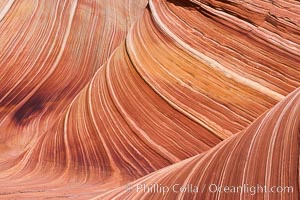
270 144
98 95
49 51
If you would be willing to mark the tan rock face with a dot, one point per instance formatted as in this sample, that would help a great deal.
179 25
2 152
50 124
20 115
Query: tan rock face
126 100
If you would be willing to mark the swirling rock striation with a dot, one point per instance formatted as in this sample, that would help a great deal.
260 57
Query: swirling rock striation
270 144
49 52
99 94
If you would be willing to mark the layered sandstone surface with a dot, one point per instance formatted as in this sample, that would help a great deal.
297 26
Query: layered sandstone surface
96 95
